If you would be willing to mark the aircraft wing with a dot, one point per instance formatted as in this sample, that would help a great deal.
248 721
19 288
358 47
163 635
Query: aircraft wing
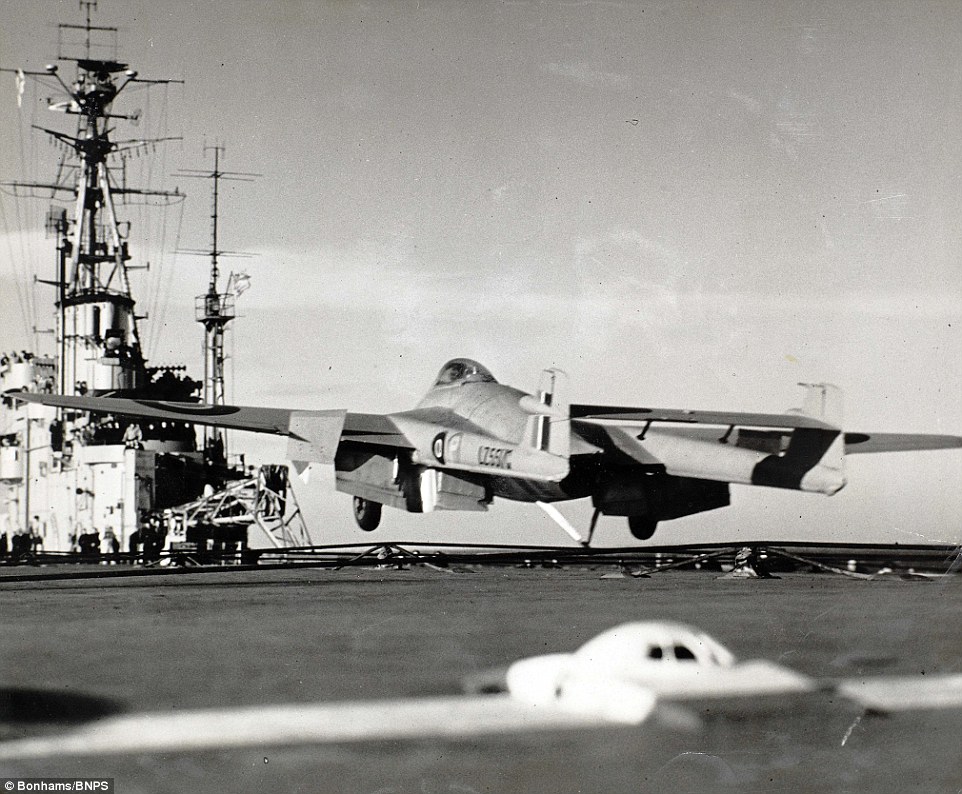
314 435
904 693
235 417
373 430
310 723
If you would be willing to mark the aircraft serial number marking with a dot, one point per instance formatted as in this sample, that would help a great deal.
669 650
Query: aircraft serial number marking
495 456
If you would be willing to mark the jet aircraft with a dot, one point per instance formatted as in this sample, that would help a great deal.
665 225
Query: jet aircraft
618 678
472 439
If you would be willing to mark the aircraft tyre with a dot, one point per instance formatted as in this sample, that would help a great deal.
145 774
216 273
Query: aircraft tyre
367 514
642 527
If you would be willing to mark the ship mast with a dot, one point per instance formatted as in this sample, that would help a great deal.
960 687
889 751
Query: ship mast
98 340
215 309
80 475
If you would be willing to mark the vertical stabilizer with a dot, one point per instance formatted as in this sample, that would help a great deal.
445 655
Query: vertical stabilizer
825 448
549 431
823 401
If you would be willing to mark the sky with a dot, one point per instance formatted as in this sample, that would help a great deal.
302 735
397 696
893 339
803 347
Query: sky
692 205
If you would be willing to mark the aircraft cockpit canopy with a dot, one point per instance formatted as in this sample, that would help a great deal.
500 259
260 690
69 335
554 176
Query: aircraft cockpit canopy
459 371
656 642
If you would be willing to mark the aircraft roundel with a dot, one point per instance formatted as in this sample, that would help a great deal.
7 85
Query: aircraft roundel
437 447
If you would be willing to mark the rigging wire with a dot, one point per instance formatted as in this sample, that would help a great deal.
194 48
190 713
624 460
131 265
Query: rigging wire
150 226
150 232
168 284
31 319
16 276
145 219
33 251
161 227
18 264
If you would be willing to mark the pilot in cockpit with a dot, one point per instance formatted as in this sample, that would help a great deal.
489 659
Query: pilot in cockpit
463 370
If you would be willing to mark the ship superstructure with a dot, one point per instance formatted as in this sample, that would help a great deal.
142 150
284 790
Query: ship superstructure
71 481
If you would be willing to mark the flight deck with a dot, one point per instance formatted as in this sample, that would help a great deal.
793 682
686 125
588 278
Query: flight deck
232 639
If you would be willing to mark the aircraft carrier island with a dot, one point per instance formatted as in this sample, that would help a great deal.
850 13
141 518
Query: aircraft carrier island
72 482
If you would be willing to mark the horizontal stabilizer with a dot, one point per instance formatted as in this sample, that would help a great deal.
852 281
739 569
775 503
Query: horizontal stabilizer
859 443
618 414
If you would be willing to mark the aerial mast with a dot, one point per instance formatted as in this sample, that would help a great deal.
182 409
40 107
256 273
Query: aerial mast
215 309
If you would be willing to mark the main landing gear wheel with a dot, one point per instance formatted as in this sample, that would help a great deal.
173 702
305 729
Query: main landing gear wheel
642 527
367 514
